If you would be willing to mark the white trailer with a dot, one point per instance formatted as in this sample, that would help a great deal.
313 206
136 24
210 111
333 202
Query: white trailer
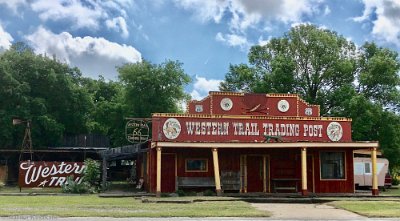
363 172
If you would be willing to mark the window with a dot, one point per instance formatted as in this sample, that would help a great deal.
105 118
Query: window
367 168
332 165
196 165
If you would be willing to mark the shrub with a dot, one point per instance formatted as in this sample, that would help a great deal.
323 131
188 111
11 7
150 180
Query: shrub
92 172
90 182
209 193
70 186
180 193
395 181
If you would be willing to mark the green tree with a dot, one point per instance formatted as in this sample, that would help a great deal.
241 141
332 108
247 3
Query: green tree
307 60
151 88
326 69
44 90
109 111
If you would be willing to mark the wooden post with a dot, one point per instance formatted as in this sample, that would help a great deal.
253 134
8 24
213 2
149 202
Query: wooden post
375 190
158 188
104 175
304 191
216 172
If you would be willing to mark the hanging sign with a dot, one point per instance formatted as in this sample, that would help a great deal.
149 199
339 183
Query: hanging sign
49 174
137 131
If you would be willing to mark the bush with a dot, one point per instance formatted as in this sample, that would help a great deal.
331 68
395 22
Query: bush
90 182
180 193
395 181
70 186
209 193
91 174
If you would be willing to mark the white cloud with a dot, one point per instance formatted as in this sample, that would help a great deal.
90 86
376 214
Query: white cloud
205 10
262 41
5 39
233 40
243 14
119 24
81 16
13 4
202 86
89 14
93 56
327 10
386 25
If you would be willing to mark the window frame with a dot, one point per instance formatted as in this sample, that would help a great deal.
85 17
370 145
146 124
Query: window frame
344 165
187 170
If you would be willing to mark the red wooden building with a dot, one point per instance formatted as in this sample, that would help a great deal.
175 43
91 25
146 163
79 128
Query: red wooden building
252 143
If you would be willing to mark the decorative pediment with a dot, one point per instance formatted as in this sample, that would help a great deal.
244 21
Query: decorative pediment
233 103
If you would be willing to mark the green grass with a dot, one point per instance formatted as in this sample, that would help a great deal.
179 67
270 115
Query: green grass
371 208
394 191
93 206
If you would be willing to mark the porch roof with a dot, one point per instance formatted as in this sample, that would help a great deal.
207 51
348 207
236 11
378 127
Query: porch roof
322 145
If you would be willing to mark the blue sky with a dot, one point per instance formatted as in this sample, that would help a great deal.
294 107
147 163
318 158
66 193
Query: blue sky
205 35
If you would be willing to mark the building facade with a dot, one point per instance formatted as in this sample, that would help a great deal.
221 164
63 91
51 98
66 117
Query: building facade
245 143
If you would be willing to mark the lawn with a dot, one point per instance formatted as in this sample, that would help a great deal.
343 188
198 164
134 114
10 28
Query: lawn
371 208
393 191
92 206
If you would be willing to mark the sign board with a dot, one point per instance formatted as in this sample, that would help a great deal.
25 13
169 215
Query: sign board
137 131
49 174
188 129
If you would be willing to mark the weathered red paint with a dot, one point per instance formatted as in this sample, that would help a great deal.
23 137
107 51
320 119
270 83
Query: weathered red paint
202 129
335 186
258 115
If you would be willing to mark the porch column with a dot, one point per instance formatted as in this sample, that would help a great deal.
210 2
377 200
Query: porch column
216 172
304 191
375 191
158 189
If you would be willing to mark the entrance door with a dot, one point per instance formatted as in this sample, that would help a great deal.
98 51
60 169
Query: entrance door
168 173
255 173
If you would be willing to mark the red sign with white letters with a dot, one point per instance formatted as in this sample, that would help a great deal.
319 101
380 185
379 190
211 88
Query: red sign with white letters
186 129
49 174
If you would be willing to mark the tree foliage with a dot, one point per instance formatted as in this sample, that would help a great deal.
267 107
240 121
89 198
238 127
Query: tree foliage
151 88
43 90
59 101
326 69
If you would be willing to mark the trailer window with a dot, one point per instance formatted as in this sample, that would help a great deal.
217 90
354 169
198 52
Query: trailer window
332 165
367 168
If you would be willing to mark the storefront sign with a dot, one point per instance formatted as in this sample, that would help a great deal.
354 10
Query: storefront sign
49 174
137 131
190 129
